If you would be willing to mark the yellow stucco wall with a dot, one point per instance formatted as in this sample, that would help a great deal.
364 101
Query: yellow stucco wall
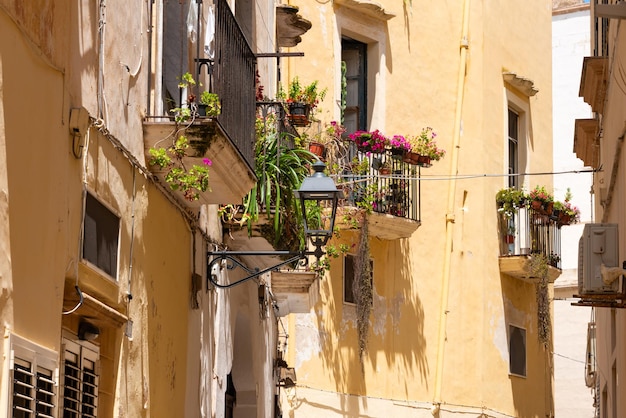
419 52
43 194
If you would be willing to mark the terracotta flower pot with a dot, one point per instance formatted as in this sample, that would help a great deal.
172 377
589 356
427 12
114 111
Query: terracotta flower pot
424 161
317 149
299 113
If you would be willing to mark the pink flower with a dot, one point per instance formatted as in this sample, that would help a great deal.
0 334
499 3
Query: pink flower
206 161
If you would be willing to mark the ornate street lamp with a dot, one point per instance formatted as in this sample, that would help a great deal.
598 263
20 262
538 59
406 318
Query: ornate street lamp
316 190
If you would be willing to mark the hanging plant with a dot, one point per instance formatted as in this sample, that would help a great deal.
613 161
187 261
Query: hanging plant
539 268
362 287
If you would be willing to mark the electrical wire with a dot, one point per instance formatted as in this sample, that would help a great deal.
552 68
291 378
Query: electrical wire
426 177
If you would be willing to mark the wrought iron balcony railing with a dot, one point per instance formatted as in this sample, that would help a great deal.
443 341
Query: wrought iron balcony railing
382 182
228 70
531 232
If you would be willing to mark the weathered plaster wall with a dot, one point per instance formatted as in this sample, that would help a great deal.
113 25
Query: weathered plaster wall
417 87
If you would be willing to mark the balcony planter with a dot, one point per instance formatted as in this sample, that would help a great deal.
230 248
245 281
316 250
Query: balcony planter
299 113
230 176
317 149
301 100
397 153
369 142
424 161
411 158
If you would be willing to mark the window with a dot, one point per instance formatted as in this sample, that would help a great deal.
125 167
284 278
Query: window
354 55
517 350
80 379
348 277
33 375
100 236
513 147
517 137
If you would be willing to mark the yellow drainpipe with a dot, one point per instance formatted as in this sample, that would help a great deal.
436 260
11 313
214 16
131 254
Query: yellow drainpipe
450 209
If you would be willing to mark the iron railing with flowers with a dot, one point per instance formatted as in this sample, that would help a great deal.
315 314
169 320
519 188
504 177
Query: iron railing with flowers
381 182
531 231
229 73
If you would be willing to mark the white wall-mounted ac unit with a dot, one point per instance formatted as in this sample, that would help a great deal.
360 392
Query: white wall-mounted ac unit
598 246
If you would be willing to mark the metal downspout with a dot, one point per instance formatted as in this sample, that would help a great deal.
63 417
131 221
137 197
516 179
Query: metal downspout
445 288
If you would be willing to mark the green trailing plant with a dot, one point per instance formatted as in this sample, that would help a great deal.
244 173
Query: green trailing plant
279 171
332 252
181 114
539 268
510 200
362 288
190 181
366 202
210 100
212 103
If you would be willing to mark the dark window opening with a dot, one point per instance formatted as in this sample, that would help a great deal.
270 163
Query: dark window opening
354 55
100 236
513 145
348 277
517 350
231 396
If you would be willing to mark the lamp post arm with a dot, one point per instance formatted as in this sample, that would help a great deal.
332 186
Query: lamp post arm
252 273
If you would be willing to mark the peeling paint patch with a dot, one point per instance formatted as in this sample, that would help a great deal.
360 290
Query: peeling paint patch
499 338
323 24
308 337
380 314
498 323
348 319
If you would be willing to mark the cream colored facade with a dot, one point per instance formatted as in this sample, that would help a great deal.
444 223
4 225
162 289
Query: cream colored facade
75 186
80 84
443 300
598 142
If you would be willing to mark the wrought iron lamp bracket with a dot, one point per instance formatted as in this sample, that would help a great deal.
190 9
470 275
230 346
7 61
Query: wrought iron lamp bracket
231 257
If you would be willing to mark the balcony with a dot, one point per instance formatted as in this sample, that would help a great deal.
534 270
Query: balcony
586 144
383 183
527 233
593 82
226 139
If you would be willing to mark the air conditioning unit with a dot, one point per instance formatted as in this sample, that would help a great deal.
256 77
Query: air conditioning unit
598 260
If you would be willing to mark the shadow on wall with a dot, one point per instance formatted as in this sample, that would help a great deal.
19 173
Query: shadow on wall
396 327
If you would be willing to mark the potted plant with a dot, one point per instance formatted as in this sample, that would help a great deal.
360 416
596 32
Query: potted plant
541 200
331 134
190 181
554 259
385 168
425 146
301 100
510 200
280 170
399 146
209 105
369 142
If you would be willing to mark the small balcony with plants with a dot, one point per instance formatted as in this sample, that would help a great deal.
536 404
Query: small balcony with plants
199 128
529 226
